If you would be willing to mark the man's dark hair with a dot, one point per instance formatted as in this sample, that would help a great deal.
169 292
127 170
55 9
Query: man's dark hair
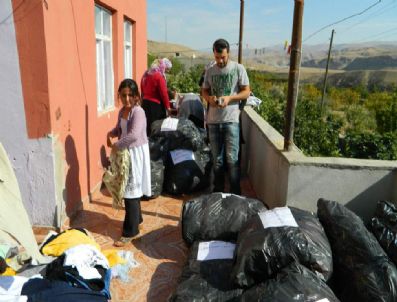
219 45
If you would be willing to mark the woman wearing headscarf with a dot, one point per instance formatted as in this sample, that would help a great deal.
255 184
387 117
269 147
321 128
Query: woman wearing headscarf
155 102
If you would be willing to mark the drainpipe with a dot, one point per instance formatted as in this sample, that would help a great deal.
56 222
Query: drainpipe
240 40
293 78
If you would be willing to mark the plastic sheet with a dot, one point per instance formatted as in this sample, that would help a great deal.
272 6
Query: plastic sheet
362 270
384 227
263 252
157 177
206 280
217 216
186 136
294 283
190 175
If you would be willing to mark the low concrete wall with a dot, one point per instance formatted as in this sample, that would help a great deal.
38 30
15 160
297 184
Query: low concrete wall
291 178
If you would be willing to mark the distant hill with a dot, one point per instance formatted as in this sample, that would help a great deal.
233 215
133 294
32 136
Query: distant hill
373 63
368 64
169 49
373 56
185 55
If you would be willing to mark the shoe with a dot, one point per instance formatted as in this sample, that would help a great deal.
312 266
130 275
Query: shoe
123 241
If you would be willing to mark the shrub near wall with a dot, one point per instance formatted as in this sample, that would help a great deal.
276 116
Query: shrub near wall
354 123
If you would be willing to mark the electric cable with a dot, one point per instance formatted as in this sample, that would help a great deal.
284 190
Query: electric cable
381 11
342 20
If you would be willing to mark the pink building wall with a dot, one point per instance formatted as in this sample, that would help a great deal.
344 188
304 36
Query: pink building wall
57 56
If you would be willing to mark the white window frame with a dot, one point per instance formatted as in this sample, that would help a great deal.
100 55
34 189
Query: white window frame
128 50
104 62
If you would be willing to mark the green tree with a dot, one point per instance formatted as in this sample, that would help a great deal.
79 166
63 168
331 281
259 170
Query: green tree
150 59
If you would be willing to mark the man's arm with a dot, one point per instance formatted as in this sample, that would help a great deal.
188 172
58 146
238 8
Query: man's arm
211 99
242 95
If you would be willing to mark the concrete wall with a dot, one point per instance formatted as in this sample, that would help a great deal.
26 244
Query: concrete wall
32 159
281 178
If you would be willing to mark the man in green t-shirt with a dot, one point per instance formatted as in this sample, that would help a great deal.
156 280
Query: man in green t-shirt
225 84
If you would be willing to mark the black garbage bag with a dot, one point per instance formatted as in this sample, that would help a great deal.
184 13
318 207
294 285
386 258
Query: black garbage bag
190 175
262 252
217 216
157 149
362 270
186 136
157 177
294 283
157 158
203 281
384 226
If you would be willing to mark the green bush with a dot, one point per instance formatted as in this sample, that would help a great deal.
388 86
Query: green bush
360 119
186 81
272 110
315 134
371 145
367 119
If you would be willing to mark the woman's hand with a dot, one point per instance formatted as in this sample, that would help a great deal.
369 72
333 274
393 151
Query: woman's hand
171 112
109 141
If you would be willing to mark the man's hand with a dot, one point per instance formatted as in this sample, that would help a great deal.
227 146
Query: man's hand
225 101
211 100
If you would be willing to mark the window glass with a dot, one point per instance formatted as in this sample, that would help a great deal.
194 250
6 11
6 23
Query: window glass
128 49
104 59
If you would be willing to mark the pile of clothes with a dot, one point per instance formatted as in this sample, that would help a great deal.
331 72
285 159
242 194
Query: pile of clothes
76 270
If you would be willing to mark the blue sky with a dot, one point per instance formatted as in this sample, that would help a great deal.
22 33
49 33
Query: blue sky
197 23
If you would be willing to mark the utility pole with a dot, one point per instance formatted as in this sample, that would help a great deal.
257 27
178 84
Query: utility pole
240 40
293 77
326 70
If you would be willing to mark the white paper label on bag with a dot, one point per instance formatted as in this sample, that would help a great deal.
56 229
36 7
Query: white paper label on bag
181 155
277 217
210 250
169 124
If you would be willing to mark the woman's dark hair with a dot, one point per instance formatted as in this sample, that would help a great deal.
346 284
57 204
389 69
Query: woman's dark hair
130 83
219 45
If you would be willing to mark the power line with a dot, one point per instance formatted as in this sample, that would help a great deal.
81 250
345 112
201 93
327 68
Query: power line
344 19
381 11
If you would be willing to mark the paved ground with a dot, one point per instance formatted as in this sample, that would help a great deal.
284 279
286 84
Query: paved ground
160 252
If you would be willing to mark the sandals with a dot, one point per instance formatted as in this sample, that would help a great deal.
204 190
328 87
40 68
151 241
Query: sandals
123 241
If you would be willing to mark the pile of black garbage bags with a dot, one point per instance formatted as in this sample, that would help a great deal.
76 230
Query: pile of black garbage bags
242 251
180 159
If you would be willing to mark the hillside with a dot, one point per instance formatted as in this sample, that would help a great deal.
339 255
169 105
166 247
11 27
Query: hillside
175 50
368 64
373 56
